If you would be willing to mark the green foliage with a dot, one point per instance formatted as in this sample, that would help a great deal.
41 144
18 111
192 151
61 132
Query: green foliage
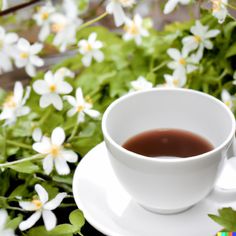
226 218
102 83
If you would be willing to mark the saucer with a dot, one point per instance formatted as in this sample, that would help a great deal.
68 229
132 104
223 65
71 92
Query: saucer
111 210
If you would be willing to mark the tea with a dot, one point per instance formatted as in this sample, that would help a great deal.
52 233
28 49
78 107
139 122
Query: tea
168 142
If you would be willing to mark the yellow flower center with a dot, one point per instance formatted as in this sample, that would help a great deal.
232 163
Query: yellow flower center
176 82
24 55
197 38
38 204
89 99
216 5
52 88
80 108
88 47
228 103
44 15
55 150
9 102
132 29
57 27
182 61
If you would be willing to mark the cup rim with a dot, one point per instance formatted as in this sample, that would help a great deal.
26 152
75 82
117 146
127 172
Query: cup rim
143 157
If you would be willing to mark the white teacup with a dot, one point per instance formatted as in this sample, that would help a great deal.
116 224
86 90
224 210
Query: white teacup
168 185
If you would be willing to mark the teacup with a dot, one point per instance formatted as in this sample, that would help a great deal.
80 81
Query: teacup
168 185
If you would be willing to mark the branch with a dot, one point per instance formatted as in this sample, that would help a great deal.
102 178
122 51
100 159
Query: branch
18 7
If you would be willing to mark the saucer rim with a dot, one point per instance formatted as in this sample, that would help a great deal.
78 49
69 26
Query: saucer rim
91 220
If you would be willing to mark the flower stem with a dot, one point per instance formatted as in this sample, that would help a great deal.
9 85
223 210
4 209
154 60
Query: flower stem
45 117
15 209
17 144
230 6
74 131
32 158
88 23
159 66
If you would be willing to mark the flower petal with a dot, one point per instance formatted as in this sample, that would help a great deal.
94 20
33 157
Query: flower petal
212 33
98 55
42 193
30 70
42 147
48 164
3 218
92 113
37 61
23 45
18 91
36 48
49 219
58 136
28 206
69 156
61 166
71 112
79 96
41 87
37 135
24 225
119 14
174 53
56 101
45 101
86 60
170 6
11 38
71 100
92 37
64 87
55 202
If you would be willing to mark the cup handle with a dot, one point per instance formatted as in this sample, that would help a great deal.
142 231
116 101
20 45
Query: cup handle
225 187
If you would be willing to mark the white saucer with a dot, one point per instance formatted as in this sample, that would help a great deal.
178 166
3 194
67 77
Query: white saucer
110 209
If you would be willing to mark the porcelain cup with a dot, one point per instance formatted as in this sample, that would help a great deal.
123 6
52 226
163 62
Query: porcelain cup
168 185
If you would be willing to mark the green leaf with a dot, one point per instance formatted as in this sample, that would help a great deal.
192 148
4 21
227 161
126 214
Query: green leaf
14 223
226 218
231 51
60 230
4 182
20 190
77 219
1 5
25 167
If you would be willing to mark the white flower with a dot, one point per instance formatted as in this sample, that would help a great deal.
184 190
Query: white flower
42 18
171 4
227 98
115 7
64 27
81 107
50 88
3 219
56 154
26 56
4 5
140 84
219 10
199 40
182 64
134 29
64 72
13 106
42 207
174 81
37 135
91 49
7 48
